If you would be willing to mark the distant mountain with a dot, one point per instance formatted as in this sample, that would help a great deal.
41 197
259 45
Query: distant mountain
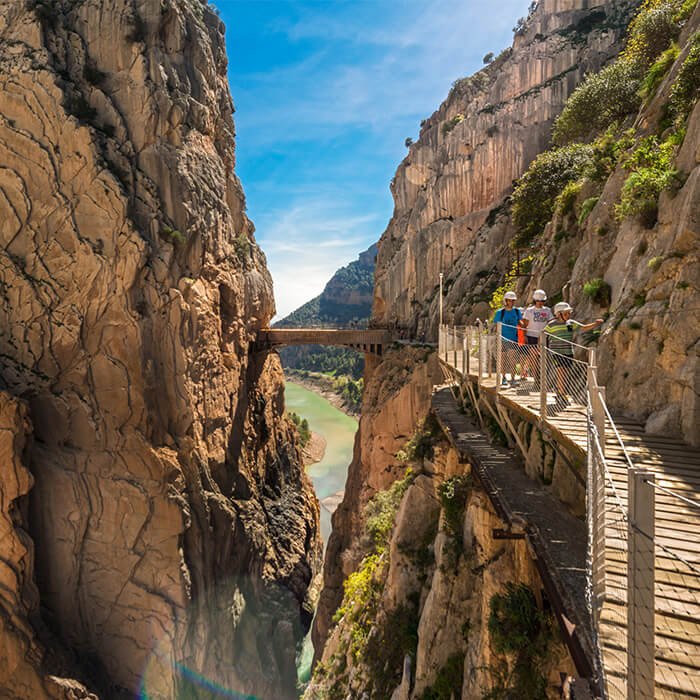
346 297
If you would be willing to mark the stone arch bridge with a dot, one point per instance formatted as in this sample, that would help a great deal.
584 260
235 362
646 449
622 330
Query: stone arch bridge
371 342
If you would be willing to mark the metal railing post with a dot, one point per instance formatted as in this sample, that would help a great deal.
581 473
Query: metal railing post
597 398
454 349
640 586
465 357
542 344
489 351
480 366
499 357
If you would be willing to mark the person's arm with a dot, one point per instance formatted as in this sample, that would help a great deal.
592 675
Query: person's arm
588 326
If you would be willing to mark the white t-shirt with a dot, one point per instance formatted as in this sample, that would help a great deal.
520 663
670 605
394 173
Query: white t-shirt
538 319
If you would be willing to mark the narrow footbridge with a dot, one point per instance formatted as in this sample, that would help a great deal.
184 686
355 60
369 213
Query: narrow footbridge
641 563
371 341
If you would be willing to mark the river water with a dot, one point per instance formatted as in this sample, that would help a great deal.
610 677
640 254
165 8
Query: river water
329 474
338 430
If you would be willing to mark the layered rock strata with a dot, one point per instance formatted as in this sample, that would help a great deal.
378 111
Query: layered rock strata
452 215
174 530
482 138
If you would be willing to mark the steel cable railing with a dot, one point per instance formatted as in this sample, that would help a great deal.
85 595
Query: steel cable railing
644 574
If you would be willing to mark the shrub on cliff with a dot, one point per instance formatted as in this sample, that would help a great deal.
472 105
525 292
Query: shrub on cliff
651 171
609 96
600 100
685 90
518 627
536 191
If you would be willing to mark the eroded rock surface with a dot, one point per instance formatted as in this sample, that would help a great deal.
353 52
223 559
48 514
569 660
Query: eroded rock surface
171 518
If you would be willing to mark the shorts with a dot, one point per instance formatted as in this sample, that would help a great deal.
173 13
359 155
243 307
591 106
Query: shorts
561 361
531 340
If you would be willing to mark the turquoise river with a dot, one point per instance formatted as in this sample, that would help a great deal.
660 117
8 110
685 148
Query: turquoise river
338 430
329 474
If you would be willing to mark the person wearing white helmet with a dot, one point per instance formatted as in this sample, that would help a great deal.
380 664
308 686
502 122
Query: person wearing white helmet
535 318
559 333
509 317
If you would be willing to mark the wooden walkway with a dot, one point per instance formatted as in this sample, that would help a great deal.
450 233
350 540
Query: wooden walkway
677 587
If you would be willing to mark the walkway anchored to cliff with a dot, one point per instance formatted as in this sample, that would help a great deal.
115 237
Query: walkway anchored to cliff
641 566
371 341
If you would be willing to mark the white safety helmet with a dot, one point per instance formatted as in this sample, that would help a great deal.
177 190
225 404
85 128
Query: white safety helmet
539 295
561 307
510 295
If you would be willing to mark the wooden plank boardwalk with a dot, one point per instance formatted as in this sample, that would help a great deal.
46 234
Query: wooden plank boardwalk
677 586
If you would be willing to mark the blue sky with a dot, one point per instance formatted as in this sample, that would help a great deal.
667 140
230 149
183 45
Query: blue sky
326 93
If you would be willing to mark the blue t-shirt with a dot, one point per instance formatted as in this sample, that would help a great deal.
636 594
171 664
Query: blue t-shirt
509 318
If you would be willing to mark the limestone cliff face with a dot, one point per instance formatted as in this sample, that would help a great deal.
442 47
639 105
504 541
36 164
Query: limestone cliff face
470 150
452 215
396 396
647 352
172 523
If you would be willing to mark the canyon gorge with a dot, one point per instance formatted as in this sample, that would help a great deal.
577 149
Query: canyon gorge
159 535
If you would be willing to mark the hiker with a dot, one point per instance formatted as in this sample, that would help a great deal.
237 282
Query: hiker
509 317
534 319
559 334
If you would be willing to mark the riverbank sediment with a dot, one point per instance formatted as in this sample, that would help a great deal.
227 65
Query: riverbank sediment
322 385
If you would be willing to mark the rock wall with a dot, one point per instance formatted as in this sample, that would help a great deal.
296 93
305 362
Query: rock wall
428 602
452 215
396 396
482 138
173 526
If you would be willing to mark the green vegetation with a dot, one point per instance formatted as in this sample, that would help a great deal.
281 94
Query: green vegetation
451 124
587 208
684 91
380 512
567 197
241 246
496 301
394 636
421 445
655 263
598 290
350 390
379 642
519 628
488 57
173 235
336 362
448 681
601 100
536 191
651 171
302 426
454 494
658 70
